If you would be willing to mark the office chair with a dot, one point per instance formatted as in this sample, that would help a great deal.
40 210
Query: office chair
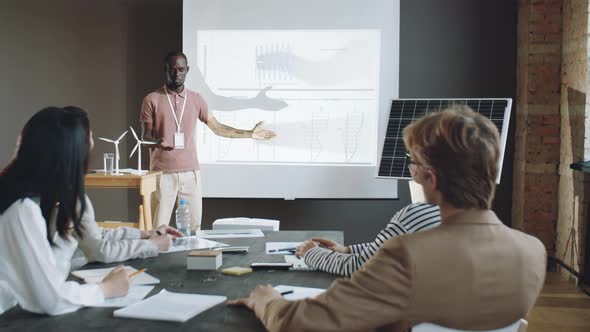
518 326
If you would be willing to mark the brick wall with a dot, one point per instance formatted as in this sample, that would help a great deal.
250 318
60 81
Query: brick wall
573 203
536 180
552 122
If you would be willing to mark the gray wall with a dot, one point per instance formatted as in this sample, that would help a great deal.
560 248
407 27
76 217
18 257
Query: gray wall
105 55
100 55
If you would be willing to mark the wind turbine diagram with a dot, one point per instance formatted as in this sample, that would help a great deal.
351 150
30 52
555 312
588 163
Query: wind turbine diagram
138 147
116 142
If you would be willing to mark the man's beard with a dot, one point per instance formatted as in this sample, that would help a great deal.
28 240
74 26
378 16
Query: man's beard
174 84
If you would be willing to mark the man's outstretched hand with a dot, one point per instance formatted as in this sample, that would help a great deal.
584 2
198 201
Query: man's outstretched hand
262 134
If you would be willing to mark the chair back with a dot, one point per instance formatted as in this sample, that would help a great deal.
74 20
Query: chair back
518 326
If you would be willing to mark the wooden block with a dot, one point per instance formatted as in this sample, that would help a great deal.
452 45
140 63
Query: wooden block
204 253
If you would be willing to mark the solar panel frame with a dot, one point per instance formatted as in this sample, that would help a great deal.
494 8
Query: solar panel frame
393 162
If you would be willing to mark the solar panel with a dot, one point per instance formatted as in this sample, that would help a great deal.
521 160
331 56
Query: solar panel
394 162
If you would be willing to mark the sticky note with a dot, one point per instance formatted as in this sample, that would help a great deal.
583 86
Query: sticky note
236 271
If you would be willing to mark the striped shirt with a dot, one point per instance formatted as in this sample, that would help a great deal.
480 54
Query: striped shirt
412 218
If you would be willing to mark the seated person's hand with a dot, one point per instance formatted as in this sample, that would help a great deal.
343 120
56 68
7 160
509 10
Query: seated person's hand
116 283
260 294
163 242
329 244
304 247
162 229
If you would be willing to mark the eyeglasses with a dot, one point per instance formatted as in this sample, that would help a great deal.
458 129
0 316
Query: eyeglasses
410 160
412 165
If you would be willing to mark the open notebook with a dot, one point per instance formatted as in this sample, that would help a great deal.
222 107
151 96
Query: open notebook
168 306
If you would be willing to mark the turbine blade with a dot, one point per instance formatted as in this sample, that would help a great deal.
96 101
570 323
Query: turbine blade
134 134
106 140
134 149
118 139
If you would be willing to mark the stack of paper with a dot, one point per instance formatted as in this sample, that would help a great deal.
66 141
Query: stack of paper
230 233
168 306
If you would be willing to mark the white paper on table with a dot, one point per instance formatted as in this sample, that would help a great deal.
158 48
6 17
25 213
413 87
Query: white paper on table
95 276
280 245
136 294
299 292
298 264
168 306
230 233
192 243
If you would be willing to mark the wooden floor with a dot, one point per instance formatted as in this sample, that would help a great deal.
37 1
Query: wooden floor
561 307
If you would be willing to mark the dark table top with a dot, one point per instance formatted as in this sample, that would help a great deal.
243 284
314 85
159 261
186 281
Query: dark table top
173 275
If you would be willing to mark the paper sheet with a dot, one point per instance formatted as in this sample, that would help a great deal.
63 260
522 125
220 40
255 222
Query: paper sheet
275 248
136 294
95 276
299 292
192 243
230 233
168 306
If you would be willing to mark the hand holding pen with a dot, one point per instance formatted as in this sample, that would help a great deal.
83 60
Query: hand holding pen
116 283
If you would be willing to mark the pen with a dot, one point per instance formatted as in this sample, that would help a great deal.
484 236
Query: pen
283 249
159 233
286 292
136 273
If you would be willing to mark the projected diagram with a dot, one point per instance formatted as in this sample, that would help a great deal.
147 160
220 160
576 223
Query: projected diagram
327 80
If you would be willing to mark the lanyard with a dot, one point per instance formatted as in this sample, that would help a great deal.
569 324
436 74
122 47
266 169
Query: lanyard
172 107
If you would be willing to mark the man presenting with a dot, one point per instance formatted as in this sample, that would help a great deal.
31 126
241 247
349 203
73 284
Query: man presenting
169 118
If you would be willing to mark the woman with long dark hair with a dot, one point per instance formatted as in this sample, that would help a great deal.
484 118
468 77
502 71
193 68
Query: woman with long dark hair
47 175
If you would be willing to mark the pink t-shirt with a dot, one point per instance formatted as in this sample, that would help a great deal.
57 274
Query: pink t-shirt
156 109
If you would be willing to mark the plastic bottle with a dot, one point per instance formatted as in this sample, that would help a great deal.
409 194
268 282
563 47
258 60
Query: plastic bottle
183 218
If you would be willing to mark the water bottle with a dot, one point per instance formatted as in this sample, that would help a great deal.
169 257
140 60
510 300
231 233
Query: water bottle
183 218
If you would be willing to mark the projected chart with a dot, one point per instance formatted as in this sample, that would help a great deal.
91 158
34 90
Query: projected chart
326 80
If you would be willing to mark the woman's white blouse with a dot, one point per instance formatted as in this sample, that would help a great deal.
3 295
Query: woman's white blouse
32 272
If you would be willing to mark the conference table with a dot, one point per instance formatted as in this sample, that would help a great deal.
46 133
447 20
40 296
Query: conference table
171 270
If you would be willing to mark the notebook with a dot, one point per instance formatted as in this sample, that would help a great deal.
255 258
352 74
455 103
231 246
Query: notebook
168 306
298 292
95 276
298 264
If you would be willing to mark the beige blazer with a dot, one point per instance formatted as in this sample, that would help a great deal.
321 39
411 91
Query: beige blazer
472 272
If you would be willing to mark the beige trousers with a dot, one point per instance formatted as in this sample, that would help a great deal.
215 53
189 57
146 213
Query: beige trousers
169 187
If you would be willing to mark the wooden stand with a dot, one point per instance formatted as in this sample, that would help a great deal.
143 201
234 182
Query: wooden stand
145 182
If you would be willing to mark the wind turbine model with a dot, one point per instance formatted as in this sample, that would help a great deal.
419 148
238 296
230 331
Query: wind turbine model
138 147
116 149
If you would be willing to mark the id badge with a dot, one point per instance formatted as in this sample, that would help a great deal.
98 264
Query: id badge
179 141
